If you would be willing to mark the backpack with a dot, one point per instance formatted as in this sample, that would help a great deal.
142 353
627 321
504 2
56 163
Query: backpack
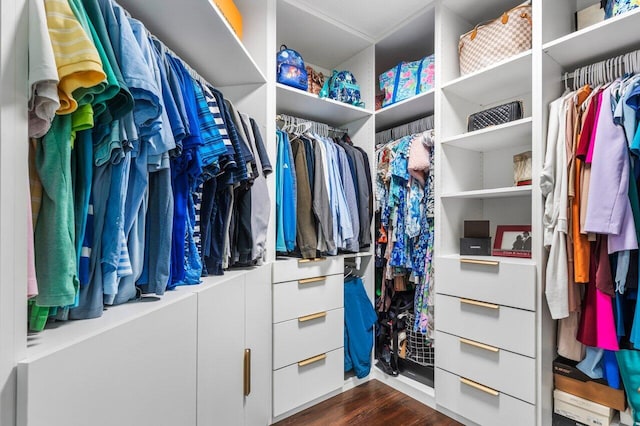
291 69
343 87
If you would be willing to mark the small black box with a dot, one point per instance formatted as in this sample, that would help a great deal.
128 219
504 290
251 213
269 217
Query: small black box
476 229
475 246
559 420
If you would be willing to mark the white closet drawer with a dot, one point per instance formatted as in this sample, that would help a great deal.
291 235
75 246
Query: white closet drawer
294 299
510 282
495 325
305 381
296 269
304 337
480 403
501 370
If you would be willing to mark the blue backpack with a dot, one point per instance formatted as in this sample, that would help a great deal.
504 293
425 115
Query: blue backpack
343 87
291 69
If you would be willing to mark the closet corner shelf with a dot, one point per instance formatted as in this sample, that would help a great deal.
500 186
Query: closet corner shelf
595 42
483 88
205 40
416 107
506 135
508 192
307 105
500 259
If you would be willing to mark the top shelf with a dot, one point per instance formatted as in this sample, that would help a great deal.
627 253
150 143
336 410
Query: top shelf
595 42
198 32
474 11
483 88
309 33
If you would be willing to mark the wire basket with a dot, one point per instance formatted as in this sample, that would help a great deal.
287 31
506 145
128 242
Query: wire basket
419 349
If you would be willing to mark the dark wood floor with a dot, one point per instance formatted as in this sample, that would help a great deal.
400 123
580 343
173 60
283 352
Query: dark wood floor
370 404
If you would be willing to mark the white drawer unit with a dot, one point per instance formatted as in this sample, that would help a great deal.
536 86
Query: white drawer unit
298 269
307 336
501 370
306 296
307 380
509 282
481 403
491 324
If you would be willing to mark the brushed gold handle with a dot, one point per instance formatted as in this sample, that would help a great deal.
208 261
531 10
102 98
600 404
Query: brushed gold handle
480 387
480 262
481 304
312 360
316 259
479 345
247 372
312 280
312 316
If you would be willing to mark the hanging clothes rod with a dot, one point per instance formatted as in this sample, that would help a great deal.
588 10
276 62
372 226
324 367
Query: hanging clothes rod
300 120
417 126
604 71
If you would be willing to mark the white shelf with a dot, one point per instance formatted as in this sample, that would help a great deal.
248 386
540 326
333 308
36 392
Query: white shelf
501 259
597 42
508 192
197 31
506 135
307 105
483 88
404 111
309 32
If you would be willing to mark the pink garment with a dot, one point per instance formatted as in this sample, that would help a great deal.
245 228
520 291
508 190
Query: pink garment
594 129
419 159
607 337
32 283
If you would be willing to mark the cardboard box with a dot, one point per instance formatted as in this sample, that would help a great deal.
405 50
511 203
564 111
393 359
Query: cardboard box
589 16
567 367
600 409
591 390
232 15
580 414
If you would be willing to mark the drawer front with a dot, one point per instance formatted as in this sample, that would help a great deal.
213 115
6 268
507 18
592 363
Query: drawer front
297 269
495 325
294 299
501 370
304 337
479 406
296 384
507 283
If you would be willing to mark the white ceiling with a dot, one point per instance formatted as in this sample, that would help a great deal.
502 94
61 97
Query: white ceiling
371 18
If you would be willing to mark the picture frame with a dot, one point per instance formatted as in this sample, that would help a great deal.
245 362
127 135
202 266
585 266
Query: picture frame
512 241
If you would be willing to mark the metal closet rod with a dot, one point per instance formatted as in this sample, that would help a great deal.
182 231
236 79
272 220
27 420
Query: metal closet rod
300 120
605 71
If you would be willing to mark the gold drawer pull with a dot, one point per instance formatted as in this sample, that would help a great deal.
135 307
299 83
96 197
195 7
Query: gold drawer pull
480 262
247 372
480 387
481 304
312 316
479 345
312 280
312 360
316 259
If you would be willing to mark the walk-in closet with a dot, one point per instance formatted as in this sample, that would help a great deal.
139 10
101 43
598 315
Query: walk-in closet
249 213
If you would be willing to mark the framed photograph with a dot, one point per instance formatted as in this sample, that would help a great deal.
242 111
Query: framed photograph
512 241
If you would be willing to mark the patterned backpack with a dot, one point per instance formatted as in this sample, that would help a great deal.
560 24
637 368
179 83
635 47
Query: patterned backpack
343 87
291 69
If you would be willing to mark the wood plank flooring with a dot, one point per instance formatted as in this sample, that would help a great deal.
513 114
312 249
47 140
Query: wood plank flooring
370 404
